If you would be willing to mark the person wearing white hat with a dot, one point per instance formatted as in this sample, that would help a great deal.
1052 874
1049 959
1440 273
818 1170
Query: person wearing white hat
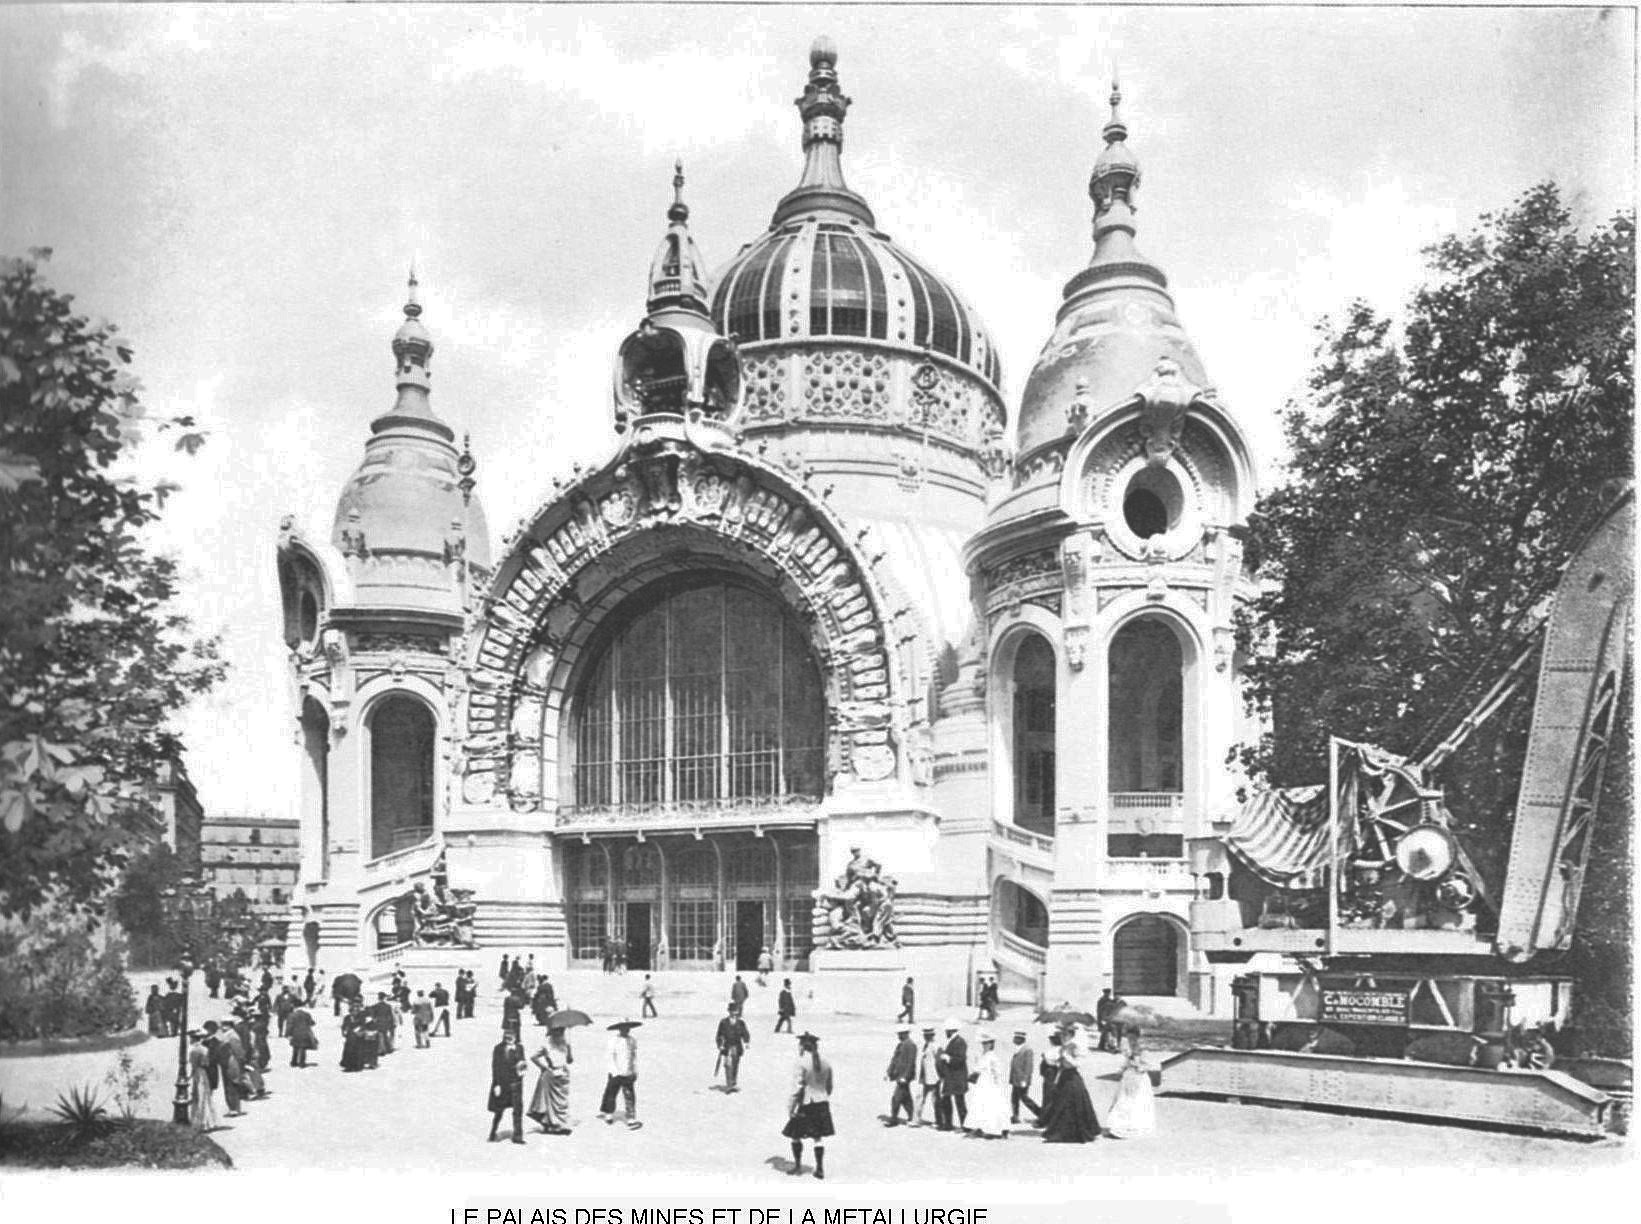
902 1071
991 1115
954 1080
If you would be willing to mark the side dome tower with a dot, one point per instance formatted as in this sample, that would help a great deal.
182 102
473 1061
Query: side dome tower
676 363
407 520
853 343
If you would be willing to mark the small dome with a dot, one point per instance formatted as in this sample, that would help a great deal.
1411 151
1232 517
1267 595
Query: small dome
408 514
833 276
1117 320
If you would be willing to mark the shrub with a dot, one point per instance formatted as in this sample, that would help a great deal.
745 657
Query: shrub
57 979
128 1084
82 1111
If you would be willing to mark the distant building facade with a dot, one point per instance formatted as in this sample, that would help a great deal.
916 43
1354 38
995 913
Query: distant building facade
828 591
260 854
182 813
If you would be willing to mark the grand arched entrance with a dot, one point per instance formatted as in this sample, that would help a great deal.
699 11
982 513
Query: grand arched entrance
1145 956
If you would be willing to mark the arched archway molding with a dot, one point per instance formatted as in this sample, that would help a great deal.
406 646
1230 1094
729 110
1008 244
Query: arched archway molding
576 558
1181 928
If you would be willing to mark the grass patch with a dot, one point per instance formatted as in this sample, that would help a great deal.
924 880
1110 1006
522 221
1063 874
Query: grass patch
142 1143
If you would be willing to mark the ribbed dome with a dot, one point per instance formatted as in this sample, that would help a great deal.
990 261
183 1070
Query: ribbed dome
834 276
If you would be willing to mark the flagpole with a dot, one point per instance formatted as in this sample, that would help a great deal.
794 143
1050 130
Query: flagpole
1333 840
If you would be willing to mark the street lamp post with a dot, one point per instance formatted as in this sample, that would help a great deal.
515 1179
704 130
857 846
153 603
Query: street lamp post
179 1104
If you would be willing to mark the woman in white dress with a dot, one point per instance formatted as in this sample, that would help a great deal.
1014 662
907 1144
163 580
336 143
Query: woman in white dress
1134 1114
988 1093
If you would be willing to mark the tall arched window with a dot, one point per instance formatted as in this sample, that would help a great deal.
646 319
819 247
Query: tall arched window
316 782
701 693
1034 735
1145 742
401 775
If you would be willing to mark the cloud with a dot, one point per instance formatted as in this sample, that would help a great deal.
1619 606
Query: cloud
135 57
659 100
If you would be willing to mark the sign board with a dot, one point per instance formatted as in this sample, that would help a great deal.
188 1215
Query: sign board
1363 1005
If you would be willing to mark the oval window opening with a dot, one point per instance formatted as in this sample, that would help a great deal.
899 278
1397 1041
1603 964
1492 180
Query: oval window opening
1145 514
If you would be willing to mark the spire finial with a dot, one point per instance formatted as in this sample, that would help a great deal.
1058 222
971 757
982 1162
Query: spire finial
1115 129
679 211
823 106
413 308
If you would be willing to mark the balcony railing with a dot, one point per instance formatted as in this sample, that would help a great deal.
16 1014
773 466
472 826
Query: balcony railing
1159 803
689 813
1023 837
1148 873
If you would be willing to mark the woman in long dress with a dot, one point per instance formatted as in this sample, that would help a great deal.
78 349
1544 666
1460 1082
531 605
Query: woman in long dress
202 1109
1135 1112
353 1054
988 1101
1069 1117
550 1104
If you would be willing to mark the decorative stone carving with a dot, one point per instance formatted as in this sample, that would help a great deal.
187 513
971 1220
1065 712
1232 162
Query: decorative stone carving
352 541
1076 642
479 786
334 643
763 389
538 665
455 543
1077 411
872 762
1165 396
910 474
847 384
860 905
389 643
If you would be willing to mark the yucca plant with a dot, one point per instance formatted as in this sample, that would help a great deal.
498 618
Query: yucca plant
82 1111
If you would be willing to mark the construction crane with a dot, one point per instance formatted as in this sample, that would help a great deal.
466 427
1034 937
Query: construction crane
1383 973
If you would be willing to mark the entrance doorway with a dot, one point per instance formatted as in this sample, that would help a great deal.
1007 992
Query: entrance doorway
638 935
749 933
1145 957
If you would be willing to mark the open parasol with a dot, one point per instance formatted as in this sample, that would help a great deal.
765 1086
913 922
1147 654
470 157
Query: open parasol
568 1017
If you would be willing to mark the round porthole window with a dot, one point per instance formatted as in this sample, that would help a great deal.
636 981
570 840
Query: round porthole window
1153 503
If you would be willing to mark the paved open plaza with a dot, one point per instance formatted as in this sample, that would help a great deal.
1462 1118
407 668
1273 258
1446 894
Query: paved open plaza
424 1110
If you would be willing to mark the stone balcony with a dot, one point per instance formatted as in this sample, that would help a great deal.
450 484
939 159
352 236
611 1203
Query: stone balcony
1149 875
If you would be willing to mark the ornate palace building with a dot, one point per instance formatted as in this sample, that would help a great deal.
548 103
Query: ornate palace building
828 590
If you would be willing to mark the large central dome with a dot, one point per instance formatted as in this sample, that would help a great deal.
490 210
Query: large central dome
824 270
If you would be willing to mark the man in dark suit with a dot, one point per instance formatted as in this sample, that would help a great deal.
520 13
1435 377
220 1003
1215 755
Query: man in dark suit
733 1039
902 1071
908 999
738 992
785 1008
382 1013
954 1080
507 1067
441 1007
1022 1066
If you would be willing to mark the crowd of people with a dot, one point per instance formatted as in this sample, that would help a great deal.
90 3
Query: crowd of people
953 1082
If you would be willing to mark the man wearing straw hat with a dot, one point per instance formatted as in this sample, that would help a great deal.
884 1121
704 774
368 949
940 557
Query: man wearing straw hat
902 1071
809 1114
622 1073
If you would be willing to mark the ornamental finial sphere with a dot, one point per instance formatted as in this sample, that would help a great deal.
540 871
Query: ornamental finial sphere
824 53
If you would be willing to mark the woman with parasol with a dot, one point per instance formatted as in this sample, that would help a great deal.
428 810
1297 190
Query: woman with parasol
550 1103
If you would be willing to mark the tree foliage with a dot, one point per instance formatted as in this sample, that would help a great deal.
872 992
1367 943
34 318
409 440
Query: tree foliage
94 657
1442 473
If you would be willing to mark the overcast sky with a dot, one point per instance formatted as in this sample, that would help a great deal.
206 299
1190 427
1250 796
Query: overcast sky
241 191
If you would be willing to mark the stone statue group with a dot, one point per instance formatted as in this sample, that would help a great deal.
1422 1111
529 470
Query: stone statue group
443 916
860 906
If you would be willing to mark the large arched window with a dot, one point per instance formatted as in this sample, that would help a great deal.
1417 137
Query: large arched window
401 775
1145 742
1034 735
705 692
